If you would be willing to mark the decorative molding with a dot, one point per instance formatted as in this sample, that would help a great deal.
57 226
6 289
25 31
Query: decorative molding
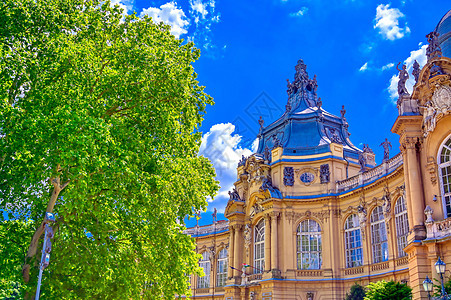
431 167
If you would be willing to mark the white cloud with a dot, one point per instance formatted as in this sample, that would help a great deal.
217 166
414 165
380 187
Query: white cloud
300 12
204 15
171 15
387 22
364 67
418 55
388 66
221 146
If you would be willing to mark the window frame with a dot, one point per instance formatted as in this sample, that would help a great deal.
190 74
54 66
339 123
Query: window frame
446 196
259 247
221 265
205 263
402 225
378 227
350 239
304 251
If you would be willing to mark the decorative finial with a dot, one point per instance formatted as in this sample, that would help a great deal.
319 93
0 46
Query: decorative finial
416 70
343 112
261 122
433 49
387 145
403 76
215 215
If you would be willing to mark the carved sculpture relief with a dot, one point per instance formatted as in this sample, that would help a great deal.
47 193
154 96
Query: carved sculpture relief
288 176
439 105
362 213
267 186
234 196
324 173
333 135
307 175
247 237
432 169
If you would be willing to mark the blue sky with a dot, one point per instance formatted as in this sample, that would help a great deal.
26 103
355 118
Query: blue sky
250 48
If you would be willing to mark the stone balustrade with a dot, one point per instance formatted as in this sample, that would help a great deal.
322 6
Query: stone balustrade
366 177
208 229
438 229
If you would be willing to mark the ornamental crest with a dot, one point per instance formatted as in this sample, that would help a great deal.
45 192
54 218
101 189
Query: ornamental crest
440 104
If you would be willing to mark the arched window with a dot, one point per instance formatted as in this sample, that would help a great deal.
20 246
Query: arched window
402 225
204 281
259 247
353 242
308 245
379 235
221 271
444 165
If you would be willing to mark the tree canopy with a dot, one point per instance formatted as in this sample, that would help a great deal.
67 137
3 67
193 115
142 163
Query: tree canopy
99 118
357 292
388 290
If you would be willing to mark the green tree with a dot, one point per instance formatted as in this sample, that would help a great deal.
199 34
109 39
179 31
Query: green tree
14 236
391 290
99 118
357 292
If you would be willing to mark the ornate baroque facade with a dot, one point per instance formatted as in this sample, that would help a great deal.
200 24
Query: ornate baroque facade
311 214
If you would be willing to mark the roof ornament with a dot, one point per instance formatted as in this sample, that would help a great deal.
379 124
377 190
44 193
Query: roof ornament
242 161
261 122
319 103
215 215
387 145
416 70
234 196
367 149
433 49
403 76
343 112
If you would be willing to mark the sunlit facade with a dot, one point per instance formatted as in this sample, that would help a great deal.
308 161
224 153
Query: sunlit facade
311 213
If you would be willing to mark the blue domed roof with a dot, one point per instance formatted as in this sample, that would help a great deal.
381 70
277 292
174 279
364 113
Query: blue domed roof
306 128
444 29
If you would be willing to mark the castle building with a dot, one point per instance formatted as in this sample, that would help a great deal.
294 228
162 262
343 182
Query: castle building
311 214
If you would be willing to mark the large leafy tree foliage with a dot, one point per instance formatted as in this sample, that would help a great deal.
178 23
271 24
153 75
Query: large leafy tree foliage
388 290
98 125
357 292
14 236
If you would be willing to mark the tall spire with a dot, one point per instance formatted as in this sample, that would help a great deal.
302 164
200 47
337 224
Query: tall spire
302 91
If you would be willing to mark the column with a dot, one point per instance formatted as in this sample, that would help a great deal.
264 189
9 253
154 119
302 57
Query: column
416 192
237 248
231 251
274 240
267 242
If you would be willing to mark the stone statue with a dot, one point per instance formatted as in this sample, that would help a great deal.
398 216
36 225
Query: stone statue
367 149
242 162
247 236
362 162
362 214
215 215
319 103
387 201
433 49
343 112
314 84
267 154
261 122
243 275
387 145
403 76
234 195
429 118
416 70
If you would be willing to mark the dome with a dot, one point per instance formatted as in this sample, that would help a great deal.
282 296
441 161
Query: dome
444 29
